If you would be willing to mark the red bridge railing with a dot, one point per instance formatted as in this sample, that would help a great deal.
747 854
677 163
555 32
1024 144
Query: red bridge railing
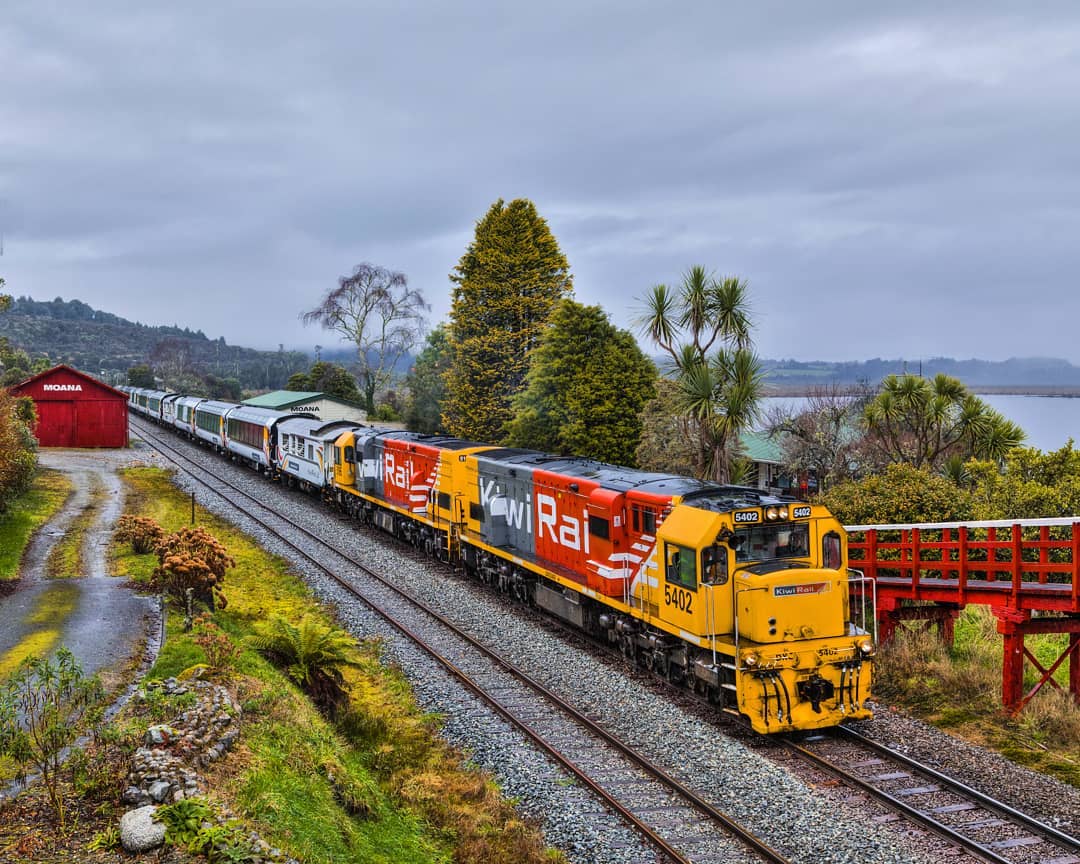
1027 572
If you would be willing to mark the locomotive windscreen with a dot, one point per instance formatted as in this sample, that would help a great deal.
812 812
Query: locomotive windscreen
768 542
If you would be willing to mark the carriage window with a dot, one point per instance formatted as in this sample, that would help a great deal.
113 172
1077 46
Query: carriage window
598 527
830 551
681 566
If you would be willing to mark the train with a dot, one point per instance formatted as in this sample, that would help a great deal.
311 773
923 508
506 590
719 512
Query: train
741 596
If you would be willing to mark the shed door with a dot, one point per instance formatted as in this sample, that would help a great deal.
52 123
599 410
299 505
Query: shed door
57 427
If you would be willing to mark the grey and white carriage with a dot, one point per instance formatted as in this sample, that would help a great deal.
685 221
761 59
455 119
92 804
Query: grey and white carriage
184 413
210 422
305 450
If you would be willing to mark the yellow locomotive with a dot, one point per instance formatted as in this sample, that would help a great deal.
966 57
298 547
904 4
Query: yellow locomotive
744 597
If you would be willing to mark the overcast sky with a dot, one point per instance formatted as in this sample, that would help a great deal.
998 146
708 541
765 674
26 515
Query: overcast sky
891 184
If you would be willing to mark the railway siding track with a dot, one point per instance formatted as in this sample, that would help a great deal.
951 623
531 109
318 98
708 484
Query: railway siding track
675 820
973 821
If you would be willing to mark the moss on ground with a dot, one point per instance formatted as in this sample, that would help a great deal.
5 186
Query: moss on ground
28 513
67 559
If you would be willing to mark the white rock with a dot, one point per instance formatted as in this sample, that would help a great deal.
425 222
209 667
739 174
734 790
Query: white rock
139 832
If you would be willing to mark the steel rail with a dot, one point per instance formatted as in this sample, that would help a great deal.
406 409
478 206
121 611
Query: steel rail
703 806
981 798
923 818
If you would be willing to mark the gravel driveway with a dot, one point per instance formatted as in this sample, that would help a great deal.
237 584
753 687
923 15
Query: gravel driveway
98 618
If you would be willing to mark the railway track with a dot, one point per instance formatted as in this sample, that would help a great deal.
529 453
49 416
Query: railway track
677 821
973 821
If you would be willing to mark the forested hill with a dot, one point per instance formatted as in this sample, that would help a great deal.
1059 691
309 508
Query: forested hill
105 344
1026 374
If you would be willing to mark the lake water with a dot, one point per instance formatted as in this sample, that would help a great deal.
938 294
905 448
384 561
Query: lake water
1048 420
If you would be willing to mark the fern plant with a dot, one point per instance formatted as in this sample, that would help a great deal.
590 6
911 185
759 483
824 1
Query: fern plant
311 654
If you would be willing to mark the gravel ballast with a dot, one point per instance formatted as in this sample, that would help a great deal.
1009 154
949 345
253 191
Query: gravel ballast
767 798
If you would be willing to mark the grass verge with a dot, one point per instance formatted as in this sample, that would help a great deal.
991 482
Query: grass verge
67 559
378 785
960 689
28 513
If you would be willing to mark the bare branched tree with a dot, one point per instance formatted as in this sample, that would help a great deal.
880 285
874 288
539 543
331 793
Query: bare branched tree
376 310
171 357
825 437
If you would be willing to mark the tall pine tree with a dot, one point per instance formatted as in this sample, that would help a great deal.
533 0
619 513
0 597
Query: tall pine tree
505 288
587 385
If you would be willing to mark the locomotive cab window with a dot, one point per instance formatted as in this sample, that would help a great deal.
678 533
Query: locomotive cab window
598 527
350 453
714 565
769 542
830 551
681 566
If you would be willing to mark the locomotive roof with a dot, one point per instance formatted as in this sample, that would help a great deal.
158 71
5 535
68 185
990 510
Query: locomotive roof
444 442
614 477
722 499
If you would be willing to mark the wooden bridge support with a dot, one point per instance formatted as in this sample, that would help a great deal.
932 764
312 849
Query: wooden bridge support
1014 627
891 615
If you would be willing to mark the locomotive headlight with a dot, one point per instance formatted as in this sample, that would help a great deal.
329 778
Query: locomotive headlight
866 647
750 658
771 514
783 512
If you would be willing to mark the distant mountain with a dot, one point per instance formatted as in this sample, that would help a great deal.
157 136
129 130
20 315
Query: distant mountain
107 345
1027 374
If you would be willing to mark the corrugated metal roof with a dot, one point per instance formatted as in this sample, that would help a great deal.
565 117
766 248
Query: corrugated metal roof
759 447
284 398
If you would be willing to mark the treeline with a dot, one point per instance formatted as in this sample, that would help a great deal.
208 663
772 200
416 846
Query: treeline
106 345
1028 372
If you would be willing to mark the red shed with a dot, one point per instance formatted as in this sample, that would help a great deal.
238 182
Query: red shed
75 410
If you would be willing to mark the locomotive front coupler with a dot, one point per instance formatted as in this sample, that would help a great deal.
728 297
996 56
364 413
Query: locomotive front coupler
815 690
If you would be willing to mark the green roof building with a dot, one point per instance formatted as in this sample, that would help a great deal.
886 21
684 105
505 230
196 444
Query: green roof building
323 406
766 461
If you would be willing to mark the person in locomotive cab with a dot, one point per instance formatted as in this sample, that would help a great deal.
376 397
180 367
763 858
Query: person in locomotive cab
714 565
790 544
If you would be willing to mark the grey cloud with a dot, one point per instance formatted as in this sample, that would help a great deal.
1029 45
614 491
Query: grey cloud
220 167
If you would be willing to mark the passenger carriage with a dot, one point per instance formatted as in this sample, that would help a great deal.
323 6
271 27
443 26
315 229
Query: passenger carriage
184 414
209 424
250 435
151 401
304 450
168 409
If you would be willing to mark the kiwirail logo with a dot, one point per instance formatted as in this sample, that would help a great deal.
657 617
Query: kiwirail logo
67 388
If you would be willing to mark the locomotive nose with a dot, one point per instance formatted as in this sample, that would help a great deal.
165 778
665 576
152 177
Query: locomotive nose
816 690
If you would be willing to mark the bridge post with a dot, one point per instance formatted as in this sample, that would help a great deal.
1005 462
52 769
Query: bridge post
1010 626
1074 667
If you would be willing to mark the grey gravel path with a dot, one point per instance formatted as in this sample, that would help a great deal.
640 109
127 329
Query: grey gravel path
106 619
